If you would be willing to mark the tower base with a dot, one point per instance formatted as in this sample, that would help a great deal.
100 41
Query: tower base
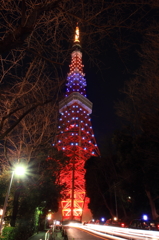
87 215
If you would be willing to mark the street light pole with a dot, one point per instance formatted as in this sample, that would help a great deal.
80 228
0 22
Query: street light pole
19 170
6 201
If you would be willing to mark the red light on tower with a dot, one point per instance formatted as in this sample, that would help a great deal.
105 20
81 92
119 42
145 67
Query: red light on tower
76 138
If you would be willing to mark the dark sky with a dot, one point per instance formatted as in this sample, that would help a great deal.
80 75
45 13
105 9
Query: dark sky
103 89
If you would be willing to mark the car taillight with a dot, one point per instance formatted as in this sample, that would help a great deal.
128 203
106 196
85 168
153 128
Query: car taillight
157 226
122 224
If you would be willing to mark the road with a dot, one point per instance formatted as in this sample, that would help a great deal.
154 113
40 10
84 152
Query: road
74 233
112 233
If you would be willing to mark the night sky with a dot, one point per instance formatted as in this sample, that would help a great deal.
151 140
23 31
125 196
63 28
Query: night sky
103 89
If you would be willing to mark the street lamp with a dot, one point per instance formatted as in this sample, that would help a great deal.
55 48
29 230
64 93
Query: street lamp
19 170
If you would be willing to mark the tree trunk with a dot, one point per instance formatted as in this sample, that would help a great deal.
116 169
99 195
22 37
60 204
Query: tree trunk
106 204
152 205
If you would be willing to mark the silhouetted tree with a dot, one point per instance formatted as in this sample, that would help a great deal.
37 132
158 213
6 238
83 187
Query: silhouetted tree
140 109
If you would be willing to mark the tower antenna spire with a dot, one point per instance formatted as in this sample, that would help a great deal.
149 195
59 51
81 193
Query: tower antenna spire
77 33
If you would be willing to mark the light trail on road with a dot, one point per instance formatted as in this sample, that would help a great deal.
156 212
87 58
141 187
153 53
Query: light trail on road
101 235
118 233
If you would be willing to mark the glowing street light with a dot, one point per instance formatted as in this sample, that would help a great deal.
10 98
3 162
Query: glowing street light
1 211
49 216
145 217
19 170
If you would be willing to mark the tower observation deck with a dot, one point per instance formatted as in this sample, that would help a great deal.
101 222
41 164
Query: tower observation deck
76 138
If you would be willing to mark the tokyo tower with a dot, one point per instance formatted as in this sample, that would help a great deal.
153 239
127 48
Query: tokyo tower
75 138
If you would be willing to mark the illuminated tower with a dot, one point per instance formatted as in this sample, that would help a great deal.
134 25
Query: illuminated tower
75 138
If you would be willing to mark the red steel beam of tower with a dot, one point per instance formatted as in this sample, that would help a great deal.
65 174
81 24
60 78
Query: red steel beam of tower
76 138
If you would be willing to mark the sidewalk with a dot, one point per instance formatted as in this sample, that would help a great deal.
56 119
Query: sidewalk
38 236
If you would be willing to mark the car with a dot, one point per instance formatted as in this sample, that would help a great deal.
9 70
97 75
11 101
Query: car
144 224
97 222
91 222
84 222
115 223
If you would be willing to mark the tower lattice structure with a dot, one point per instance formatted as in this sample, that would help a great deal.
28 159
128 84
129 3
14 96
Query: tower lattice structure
76 138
